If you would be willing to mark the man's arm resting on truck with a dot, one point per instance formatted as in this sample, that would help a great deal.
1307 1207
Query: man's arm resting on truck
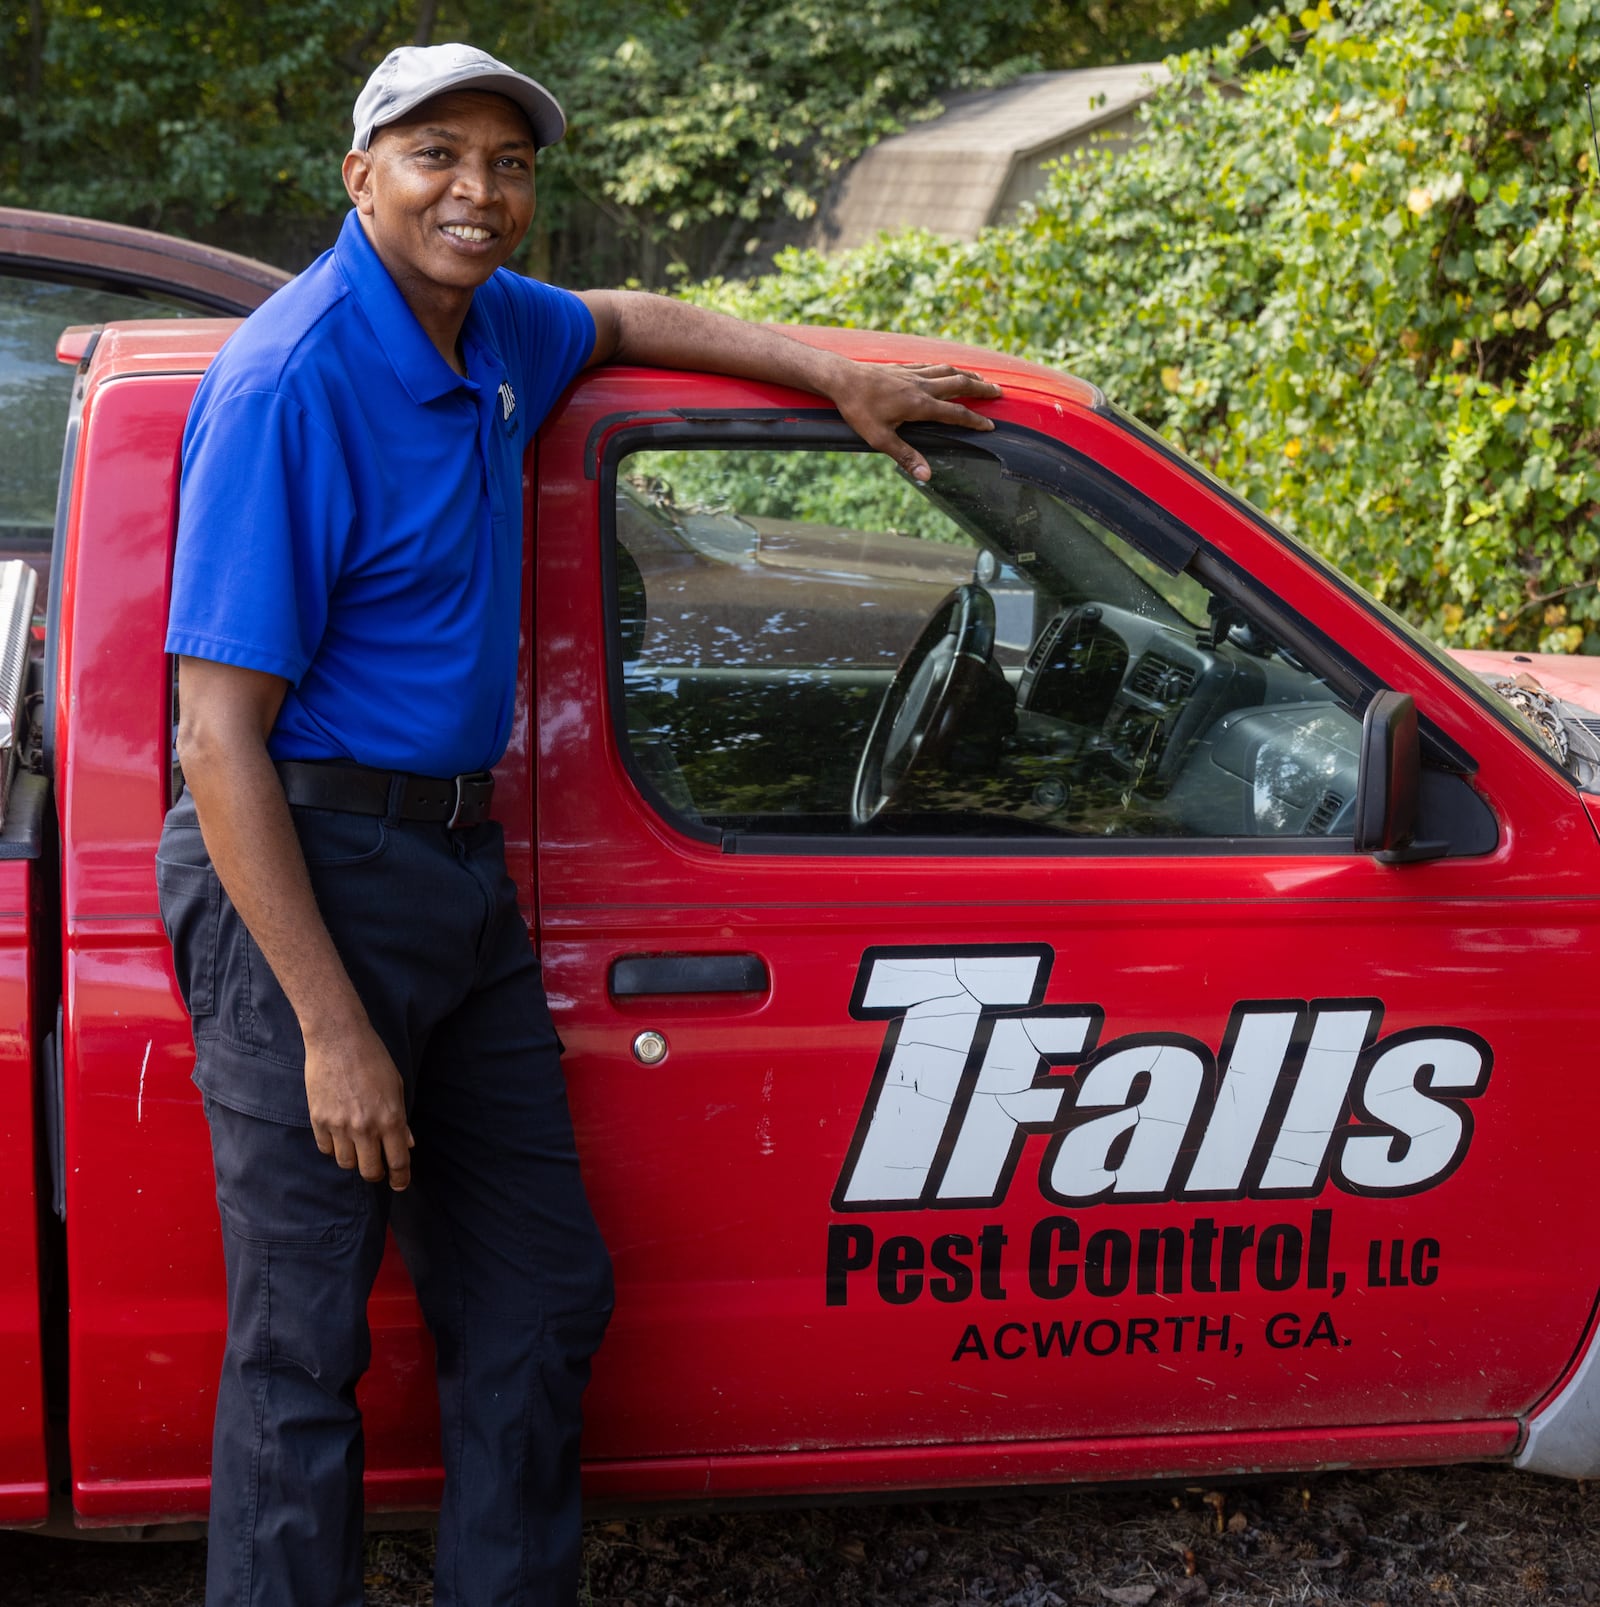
872 398
355 1093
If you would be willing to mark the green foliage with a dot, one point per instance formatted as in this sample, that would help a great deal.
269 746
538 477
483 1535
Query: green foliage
727 113
720 112
1089 33
1360 286
696 125
173 111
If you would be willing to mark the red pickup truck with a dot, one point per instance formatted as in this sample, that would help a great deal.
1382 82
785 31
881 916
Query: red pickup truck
1057 984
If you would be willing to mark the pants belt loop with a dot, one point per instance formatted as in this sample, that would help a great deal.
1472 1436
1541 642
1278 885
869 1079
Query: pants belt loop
397 793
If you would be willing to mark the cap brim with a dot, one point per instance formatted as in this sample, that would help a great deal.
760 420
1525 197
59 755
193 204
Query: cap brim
541 108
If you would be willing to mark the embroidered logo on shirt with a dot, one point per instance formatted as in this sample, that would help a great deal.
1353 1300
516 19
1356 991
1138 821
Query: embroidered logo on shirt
508 401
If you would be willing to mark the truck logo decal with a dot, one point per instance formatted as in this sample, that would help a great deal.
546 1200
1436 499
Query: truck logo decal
973 1062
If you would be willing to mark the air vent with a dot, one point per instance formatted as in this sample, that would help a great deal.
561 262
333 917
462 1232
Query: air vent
1040 648
1160 680
1324 815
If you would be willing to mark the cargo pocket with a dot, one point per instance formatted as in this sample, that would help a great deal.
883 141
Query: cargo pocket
191 898
265 1022
274 1187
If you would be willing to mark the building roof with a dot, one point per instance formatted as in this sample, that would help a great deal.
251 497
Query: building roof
980 157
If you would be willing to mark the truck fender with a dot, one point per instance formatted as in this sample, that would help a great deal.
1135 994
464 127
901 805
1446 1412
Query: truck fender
1564 1438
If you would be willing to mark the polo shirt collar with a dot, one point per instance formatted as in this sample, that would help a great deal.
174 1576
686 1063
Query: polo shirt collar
478 345
414 358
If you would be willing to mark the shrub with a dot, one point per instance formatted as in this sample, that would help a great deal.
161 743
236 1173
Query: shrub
1360 285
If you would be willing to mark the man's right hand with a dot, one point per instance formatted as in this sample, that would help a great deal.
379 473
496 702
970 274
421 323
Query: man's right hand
355 1094
357 1103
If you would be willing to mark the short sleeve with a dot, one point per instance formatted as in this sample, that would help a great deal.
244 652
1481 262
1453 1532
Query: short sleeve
545 336
265 512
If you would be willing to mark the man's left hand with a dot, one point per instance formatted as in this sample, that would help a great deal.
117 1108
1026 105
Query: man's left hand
875 398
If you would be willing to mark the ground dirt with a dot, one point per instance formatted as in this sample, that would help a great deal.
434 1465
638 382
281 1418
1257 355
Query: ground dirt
1458 1535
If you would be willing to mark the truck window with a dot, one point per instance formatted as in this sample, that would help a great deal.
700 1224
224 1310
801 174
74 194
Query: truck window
35 393
810 644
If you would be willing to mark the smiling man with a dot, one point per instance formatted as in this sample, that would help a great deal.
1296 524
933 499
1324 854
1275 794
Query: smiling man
372 1039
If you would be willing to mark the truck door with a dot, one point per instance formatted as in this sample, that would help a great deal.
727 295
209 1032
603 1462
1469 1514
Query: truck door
991 1055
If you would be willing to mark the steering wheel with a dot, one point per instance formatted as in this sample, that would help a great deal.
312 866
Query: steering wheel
919 718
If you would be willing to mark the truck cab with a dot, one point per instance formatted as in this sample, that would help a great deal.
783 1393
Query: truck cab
1056 984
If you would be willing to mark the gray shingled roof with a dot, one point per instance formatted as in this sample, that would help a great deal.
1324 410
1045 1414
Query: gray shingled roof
982 157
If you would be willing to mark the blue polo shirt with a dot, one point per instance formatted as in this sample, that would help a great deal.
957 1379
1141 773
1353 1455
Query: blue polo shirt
350 511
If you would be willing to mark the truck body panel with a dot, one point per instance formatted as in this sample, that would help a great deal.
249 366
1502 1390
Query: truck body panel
781 1327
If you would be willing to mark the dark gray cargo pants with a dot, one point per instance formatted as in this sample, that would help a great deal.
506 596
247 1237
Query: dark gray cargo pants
509 1267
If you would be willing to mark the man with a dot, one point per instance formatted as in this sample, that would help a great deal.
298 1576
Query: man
372 1041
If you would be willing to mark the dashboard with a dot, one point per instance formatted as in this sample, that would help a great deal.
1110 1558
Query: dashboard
1128 722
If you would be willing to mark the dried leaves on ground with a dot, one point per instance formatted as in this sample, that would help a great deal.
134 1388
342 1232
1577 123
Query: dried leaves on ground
1480 1536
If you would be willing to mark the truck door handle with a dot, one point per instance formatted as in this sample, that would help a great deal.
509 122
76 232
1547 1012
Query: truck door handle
636 975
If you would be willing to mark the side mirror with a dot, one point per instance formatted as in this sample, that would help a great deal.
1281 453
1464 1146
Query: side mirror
1391 783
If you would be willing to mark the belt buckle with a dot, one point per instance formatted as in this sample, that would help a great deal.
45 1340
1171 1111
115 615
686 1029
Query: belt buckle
467 811
455 821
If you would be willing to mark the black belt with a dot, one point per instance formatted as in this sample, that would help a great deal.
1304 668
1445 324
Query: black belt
357 790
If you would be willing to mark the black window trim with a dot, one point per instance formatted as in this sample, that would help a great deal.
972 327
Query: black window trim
1026 455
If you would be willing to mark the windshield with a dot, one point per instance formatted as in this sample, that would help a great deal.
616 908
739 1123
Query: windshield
1512 719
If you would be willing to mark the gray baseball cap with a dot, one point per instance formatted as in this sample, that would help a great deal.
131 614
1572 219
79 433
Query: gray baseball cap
406 77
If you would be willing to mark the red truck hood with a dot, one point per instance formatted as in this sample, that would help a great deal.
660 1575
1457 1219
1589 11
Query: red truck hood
1572 677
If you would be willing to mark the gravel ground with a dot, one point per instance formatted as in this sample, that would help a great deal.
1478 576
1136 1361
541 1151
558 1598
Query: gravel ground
1458 1535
